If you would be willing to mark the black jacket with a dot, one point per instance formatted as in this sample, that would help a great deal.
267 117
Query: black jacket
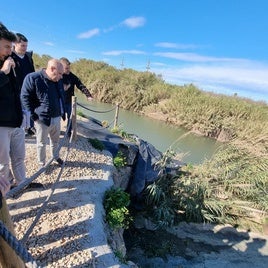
10 104
23 66
72 80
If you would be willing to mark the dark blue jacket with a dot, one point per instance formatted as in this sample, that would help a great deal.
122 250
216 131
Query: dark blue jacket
34 96
10 105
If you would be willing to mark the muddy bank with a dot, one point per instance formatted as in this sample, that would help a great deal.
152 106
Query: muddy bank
196 245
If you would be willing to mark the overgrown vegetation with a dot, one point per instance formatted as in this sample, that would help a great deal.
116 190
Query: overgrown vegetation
116 202
232 186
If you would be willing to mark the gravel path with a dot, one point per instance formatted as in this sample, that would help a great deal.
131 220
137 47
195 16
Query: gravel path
62 224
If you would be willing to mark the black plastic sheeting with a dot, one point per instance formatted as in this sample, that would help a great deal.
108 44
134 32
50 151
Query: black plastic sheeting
145 170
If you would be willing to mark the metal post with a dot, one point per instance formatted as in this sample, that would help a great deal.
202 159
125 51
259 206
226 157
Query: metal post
116 115
74 124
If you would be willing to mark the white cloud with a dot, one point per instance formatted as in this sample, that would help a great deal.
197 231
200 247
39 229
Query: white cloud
49 44
111 28
75 51
134 22
120 52
175 45
88 34
222 79
158 64
193 57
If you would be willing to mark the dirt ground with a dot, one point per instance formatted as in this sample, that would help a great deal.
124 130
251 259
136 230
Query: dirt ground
197 245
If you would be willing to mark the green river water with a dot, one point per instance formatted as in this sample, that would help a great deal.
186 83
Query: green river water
193 148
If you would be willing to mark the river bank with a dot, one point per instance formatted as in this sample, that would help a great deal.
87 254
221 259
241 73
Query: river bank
221 135
62 225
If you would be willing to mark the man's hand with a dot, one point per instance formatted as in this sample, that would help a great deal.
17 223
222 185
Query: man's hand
66 86
89 98
4 186
8 64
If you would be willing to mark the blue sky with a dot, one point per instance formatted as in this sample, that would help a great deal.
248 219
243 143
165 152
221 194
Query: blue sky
218 45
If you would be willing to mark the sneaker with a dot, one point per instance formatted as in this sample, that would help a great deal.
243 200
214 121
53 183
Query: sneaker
33 130
35 185
13 186
59 161
30 131
32 185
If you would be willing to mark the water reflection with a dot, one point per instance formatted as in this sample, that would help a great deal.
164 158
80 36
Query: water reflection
162 135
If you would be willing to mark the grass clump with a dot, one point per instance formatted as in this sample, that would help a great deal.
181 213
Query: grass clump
116 203
119 160
118 130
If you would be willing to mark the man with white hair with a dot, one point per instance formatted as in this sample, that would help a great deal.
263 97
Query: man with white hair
42 95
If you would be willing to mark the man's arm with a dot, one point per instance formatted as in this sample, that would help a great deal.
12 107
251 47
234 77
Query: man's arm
82 87
28 96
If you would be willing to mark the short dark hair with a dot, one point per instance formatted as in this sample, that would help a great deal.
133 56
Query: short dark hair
20 37
6 34
65 60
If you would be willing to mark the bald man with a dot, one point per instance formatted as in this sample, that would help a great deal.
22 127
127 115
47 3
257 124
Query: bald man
42 95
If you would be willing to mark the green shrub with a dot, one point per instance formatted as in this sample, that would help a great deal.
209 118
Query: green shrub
118 130
119 160
116 202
